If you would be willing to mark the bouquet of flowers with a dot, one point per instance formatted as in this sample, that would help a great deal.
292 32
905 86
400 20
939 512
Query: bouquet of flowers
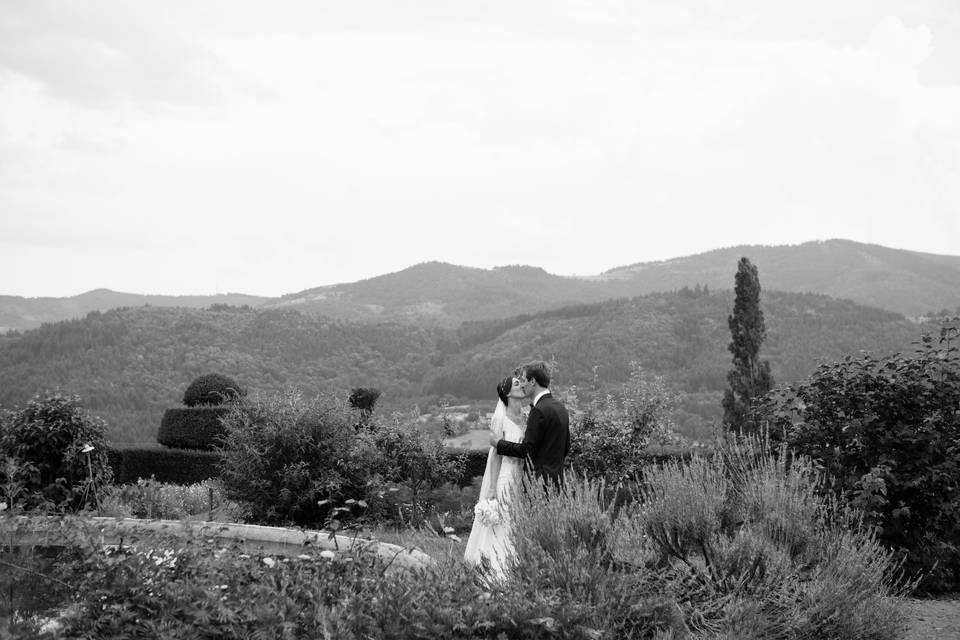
489 512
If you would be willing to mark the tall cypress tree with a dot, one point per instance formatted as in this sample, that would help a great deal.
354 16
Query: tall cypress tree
749 377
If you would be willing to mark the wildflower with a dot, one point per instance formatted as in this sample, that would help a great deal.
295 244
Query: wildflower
270 562
327 554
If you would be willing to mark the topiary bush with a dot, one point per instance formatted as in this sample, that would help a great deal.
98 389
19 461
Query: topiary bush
887 432
192 427
198 426
212 389
53 453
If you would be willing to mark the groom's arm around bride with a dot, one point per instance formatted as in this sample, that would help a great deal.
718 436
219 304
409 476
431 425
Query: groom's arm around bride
546 441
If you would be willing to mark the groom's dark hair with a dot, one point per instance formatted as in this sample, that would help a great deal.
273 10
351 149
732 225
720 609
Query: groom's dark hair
503 389
538 371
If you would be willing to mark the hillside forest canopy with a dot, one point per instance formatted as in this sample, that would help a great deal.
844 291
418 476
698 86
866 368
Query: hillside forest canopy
131 364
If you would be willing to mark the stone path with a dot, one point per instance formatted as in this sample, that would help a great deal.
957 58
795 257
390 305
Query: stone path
935 619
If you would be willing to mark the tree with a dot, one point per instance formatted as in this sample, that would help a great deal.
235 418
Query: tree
750 377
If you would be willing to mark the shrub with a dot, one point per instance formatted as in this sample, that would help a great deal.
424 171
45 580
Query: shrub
284 455
583 570
404 455
741 545
194 587
609 437
49 441
887 431
197 427
212 389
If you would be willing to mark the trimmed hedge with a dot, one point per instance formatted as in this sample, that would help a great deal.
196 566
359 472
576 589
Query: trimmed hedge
174 466
212 389
192 427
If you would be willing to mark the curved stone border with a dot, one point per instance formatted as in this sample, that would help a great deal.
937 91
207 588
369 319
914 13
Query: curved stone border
254 539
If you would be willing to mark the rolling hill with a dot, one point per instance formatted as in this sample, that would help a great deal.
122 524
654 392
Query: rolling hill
20 313
129 365
445 295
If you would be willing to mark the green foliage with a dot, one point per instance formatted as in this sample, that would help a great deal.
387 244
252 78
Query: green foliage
174 466
58 452
887 431
167 587
609 437
750 377
212 389
198 427
290 460
738 547
283 454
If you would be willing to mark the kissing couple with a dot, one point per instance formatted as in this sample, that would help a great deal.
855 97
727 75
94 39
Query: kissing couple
538 445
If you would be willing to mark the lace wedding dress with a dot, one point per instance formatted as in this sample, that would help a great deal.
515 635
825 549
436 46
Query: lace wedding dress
490 536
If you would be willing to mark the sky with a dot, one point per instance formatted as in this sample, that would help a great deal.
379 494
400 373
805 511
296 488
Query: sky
214 146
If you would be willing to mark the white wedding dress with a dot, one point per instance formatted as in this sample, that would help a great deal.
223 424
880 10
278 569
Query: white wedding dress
490 535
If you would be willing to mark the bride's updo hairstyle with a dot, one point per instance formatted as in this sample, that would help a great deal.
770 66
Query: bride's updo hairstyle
503 389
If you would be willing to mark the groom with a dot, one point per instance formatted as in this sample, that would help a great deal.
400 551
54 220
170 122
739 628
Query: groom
547 438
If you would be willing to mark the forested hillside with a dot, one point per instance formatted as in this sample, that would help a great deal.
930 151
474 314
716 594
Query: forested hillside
130 365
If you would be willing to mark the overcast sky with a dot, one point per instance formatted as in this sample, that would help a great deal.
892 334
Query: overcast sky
213 146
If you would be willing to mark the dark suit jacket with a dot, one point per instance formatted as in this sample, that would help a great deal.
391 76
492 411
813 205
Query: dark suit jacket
546 441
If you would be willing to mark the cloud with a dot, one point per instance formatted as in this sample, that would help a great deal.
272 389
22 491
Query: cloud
106 53
337 142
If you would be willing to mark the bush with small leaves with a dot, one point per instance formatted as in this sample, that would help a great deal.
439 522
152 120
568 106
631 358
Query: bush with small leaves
609 438
887 432
61 449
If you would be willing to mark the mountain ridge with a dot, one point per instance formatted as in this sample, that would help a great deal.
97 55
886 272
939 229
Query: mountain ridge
442 294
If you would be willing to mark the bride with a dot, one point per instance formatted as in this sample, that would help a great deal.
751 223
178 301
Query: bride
489 542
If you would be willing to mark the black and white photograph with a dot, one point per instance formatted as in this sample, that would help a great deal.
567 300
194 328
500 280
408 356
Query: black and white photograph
579 319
